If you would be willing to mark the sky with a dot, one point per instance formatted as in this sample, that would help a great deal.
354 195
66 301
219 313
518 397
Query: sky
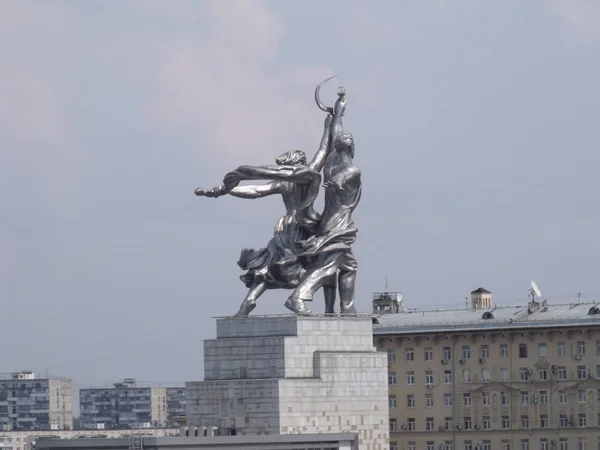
476 129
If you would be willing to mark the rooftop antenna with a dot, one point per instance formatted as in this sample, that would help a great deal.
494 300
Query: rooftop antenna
579 297
534 291
467 302
386 284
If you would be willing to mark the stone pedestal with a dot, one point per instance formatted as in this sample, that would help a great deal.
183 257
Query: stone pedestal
293 374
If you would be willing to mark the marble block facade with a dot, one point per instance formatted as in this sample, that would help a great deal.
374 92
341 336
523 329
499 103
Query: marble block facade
293 374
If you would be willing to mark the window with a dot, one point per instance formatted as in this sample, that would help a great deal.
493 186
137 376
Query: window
487 423
428 354
543 397
410 401
581 373
466 376
503 350
505 445
542 349
393 445
524 373
467 399
524 398
505 398
505 422
582 395
563 420
562 397
468 445
485 375
598 422
466 352
487 445
582 420
410 377
581 444
447 353
562 373
391 352
543 444
409 354
428 377
468 423
392 401
447 377
411 445
430 444
524 421
561 349
598 372
429 400
429 424
504 374
522 350
543 375
391 378
393 424
580 348
412 424
447 400
524 444
597 347
448 423
484 351
543 421
447 445
485 398
563 444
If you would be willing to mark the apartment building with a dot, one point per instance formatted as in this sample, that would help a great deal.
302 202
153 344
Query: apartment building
490 377
175 405
125 405
29 402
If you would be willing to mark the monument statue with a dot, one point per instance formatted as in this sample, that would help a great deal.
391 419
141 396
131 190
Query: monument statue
308 250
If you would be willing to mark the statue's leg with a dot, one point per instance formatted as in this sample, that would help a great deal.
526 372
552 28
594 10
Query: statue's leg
330 291
318 275
249 303
347 282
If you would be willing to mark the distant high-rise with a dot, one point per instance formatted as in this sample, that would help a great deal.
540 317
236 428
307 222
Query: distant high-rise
127 405
29 402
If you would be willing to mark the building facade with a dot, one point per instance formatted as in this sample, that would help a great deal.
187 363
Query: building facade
29 402
493 378
125 405
176 405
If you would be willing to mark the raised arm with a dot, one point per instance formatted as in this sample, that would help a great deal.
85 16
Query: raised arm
318 160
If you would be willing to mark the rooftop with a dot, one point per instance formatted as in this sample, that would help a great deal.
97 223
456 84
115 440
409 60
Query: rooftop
532 315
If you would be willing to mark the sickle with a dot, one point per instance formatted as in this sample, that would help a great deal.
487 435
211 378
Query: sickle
321 106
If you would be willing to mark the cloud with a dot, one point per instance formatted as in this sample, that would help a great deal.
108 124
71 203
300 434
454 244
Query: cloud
219 86
583 16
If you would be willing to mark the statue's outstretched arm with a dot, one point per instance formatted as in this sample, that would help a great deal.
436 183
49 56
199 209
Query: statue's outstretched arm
256 191
318 161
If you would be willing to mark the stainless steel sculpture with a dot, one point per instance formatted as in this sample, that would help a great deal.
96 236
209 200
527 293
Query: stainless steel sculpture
308 251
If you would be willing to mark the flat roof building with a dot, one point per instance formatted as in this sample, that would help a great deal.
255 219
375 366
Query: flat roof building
492 377
30 402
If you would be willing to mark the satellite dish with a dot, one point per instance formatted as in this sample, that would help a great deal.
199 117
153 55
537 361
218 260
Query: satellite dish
535 290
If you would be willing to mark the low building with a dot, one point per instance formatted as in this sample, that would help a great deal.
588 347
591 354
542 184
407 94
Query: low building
176 405
26 440
30 402
125 405
345 441
489 377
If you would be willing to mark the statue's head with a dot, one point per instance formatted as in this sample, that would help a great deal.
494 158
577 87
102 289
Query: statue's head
291 158
345 144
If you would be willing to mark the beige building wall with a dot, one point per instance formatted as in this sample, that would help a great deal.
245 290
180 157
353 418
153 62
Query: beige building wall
60 394
159 405
527 389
